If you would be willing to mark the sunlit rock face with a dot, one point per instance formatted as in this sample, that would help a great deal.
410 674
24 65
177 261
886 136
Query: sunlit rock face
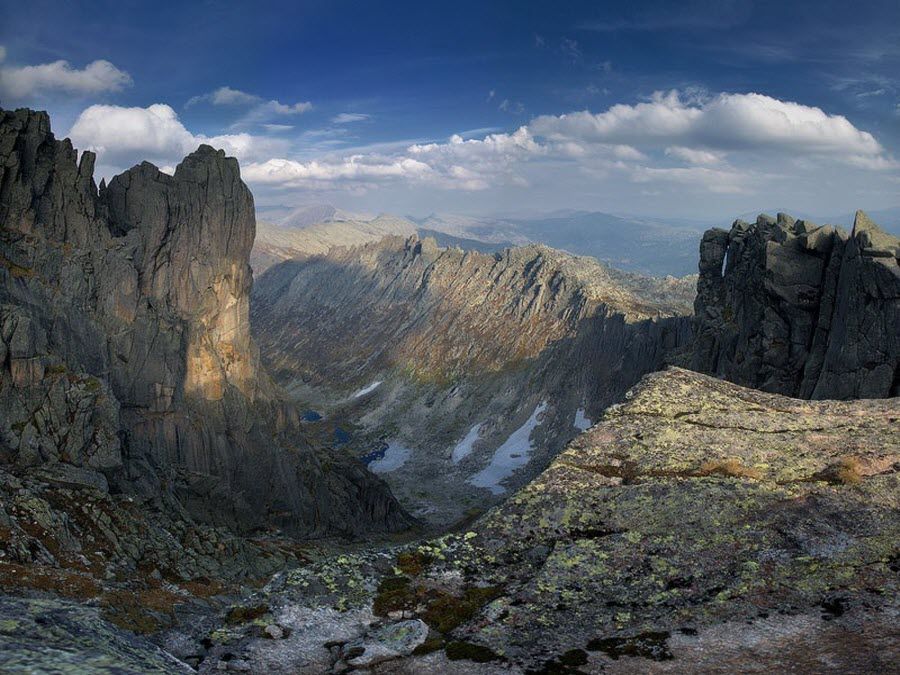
197 227
132 301
794 308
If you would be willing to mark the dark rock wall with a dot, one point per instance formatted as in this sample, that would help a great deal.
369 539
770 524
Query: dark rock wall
125 344
793 308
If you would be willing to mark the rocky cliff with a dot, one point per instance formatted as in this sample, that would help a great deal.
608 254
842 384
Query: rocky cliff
794 308
125 344
438 357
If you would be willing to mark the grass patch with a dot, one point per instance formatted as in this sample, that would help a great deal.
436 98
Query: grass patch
847 471
244 614
730 468
447 612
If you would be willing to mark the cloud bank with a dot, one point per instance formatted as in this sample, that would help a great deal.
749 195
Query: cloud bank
18 82
727 144
124 136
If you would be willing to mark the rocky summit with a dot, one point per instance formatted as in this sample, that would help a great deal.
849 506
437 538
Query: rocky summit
128 377
795 308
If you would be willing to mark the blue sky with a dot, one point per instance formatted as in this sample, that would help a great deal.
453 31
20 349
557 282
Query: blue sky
697 109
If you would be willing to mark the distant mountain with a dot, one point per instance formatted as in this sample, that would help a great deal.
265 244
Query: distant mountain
644 245
296 237
634 244
484 229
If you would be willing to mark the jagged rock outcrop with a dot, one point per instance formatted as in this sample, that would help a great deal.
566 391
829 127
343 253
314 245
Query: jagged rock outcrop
125 344
798 309
442 356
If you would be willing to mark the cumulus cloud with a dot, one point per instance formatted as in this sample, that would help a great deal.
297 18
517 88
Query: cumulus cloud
348 118
97 77
672 142
723 122
123 136
257 110
694 156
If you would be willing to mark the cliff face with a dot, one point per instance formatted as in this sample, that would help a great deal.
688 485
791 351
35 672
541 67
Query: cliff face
448 355
790 307
126 347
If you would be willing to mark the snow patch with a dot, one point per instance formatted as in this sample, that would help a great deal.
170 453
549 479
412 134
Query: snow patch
513 454
582 423
367 389
395 456
464 448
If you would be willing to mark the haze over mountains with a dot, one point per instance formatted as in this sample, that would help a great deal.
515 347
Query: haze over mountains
653 246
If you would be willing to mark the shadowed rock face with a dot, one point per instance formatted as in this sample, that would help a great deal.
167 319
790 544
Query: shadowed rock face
790 307
125 344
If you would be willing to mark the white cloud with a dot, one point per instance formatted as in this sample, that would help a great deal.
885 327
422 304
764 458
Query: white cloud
673 144
259 111
694 156
356 168
277 128
626 142
225 96
723 122
347 118
97 77
123 136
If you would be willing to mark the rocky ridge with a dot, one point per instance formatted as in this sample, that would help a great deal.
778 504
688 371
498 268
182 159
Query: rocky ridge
791 307
415 348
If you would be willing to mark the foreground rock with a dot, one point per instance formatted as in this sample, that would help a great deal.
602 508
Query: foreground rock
42 636
794 308
125 347
699 527
460 374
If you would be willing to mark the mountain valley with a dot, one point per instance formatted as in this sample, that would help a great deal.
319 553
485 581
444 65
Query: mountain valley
335 444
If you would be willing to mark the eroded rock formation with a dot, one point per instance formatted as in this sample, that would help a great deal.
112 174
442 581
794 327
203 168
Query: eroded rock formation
794 308
125 344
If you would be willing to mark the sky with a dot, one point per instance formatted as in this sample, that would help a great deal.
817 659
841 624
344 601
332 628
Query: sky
698 109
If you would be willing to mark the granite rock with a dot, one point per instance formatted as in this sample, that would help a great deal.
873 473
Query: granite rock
799 309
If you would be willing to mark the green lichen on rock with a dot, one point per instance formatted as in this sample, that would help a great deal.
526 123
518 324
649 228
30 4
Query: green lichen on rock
694 504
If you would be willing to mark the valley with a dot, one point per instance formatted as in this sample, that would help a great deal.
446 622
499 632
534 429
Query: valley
459 373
